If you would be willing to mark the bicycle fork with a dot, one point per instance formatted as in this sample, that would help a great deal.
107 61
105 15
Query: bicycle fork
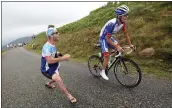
123 66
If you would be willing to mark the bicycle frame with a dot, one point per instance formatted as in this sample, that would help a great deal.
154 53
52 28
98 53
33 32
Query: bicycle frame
118 57
111 64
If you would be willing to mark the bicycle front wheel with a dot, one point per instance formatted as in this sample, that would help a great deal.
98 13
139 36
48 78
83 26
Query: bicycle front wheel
127 73
95 65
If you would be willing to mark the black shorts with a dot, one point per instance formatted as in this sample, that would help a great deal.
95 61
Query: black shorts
47 75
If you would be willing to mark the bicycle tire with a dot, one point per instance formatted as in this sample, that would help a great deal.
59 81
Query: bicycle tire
137 69
95 68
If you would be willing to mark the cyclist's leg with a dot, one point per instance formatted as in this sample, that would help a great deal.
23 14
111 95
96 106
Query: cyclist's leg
105 52
112 47
114 41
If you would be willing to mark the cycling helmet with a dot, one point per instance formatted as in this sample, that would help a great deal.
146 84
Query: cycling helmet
122 10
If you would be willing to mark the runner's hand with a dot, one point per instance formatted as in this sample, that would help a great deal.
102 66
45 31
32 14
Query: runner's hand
59 54
66 57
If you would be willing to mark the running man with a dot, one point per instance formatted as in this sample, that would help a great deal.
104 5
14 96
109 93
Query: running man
50 63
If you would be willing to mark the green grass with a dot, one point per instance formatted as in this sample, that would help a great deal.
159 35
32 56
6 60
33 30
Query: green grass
3 52
38 51
159 67
149 25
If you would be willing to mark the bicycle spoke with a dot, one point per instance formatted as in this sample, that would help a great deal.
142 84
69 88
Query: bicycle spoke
95 65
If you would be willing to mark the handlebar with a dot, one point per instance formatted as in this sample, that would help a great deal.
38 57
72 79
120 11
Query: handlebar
125 47
120 53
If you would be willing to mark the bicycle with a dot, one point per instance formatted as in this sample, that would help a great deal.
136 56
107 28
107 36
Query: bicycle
120 64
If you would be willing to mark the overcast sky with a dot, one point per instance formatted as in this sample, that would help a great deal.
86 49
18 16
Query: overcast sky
20 19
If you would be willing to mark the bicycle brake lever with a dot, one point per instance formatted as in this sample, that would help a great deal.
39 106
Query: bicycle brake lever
134 48
120 53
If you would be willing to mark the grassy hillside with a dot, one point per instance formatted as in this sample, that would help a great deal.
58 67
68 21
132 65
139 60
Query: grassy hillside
149 25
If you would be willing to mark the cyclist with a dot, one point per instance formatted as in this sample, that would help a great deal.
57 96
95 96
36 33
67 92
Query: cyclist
112 27
50 63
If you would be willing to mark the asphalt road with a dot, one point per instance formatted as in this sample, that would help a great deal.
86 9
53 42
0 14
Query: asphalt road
23 87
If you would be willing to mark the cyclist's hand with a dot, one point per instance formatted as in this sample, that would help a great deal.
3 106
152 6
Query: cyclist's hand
131 46
66 57
120 49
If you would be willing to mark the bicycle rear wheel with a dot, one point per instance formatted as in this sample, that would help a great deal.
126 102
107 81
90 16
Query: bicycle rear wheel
95 65
127 73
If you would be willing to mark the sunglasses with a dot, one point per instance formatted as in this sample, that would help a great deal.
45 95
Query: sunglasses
55 33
